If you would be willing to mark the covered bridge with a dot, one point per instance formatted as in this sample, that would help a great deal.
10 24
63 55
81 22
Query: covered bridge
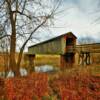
63 45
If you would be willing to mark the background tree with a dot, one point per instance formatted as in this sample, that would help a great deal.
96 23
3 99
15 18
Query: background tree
4 48
21 19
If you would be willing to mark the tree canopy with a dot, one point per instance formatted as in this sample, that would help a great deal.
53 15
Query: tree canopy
20 19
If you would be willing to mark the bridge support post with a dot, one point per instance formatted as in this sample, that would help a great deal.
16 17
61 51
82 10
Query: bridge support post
62 61
81 58
87 58
67 60
31 63
84 58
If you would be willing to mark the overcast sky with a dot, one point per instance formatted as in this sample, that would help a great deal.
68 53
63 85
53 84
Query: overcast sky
79 16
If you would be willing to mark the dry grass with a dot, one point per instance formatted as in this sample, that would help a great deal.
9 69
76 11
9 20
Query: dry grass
53 60
92 70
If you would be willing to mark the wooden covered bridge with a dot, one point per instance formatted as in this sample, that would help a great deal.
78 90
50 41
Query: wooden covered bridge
65 46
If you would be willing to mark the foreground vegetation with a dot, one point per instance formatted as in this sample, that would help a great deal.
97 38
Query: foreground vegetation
71 84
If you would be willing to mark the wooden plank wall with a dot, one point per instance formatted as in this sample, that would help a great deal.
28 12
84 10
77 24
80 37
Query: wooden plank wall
50 47
93 48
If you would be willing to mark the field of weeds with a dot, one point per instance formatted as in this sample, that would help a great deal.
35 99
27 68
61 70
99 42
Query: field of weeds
79 83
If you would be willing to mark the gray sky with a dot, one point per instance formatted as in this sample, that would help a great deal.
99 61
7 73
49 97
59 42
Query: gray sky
79 17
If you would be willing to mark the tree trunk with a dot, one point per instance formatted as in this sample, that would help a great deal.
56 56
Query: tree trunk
19 58
12 64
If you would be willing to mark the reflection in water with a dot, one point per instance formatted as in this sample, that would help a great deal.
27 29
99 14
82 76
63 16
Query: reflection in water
23 71
44 68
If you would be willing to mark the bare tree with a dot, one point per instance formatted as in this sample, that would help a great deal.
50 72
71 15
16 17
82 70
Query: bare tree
21 19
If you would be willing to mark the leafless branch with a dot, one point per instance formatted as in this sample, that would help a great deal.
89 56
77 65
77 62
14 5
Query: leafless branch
21 13
4 36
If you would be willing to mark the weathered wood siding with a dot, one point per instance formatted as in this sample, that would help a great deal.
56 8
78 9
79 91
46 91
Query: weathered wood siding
49 47
92 48
63 45
55 45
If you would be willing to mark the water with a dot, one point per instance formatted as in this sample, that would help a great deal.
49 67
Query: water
44 68
11 74
23 71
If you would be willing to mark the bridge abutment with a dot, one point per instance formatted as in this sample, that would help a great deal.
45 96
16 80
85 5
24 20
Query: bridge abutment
67 60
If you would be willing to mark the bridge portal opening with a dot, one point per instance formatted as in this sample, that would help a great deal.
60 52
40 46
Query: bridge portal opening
69 41
69 53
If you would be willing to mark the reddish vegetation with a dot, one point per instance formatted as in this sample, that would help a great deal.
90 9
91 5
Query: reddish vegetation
27 88
77 88
2 91
37 85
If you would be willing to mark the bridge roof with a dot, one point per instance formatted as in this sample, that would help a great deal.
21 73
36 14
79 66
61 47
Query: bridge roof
54 38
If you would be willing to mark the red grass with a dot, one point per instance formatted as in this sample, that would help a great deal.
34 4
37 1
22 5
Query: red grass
64 87
27 88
